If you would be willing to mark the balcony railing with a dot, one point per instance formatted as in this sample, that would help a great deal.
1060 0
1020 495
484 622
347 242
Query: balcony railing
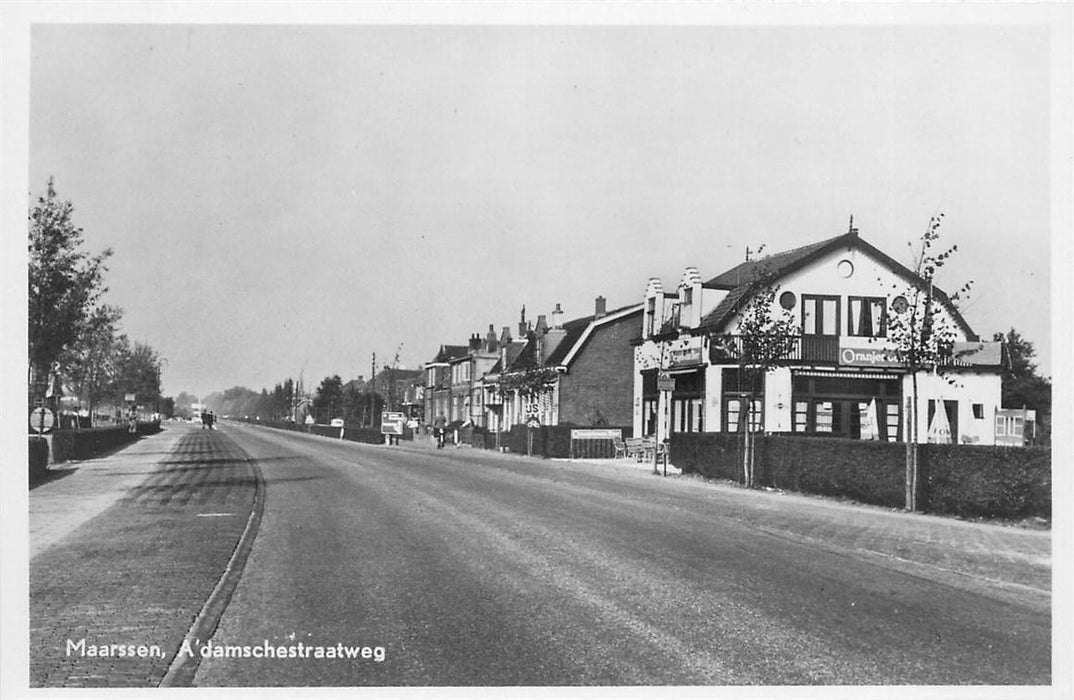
800 348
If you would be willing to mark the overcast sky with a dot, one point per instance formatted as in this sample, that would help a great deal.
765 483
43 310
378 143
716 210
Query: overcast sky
290 199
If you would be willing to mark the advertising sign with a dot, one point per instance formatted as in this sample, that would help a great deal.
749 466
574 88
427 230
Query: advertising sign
867 357
392 423
665 382
685 357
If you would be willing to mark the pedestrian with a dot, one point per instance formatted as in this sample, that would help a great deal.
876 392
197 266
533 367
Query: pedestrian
132 421
212 420
204 419
439 428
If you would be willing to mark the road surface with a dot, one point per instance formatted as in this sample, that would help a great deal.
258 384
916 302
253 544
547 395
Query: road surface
463 567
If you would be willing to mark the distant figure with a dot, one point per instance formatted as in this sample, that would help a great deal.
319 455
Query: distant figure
132 421
205 420
439 428
212 420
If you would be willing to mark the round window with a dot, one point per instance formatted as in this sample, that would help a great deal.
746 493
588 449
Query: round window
846 268
899 304
787 300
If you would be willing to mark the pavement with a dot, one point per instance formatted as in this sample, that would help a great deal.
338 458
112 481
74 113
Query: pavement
127 549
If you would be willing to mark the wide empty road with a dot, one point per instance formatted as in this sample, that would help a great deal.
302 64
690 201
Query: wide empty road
473 568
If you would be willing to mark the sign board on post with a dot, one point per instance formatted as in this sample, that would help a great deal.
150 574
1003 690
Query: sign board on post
128 398
392 423
665 382
41 420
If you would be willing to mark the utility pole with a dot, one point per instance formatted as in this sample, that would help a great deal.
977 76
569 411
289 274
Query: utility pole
373 390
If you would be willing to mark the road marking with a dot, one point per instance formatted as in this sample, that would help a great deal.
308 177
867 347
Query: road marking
214 515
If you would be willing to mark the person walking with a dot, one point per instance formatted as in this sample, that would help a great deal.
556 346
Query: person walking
439 428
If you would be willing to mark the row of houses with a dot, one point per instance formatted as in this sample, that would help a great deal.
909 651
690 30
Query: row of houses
670 363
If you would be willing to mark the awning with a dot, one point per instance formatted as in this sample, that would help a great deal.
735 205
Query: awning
846 375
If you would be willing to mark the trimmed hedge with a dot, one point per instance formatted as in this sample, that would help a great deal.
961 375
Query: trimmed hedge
86 444
713 455
964 480
38 458
870 472
979 481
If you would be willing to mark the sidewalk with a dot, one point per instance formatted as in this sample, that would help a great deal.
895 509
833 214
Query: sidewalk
126 549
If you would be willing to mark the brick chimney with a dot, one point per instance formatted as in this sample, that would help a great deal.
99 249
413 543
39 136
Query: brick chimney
523 327
475 342
601 307
490 339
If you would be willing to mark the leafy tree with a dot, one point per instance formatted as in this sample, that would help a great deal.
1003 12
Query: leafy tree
65 283
1023 387
328 399
90 363
767 337
921 336
362 405
138 371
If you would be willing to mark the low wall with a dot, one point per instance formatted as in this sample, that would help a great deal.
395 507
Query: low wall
964 480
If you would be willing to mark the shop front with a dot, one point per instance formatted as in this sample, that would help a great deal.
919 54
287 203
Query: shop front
844 404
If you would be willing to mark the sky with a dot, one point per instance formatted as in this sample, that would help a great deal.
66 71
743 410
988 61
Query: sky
285 200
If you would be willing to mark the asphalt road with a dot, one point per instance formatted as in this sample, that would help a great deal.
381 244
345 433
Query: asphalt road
470 568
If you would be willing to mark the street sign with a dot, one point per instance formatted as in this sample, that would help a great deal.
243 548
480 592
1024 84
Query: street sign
128 397
41 420
665 382
392 423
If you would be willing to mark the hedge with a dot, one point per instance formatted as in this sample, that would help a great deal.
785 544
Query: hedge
964 480
38 458
979 481
89 443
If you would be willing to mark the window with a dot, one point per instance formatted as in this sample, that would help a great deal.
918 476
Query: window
867 317
978 411
687 296
820 314
650 316
787 300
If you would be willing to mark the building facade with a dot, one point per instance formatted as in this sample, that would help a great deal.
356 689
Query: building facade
839 374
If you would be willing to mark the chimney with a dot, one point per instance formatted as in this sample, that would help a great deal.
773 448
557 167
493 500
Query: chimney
557 317
475 342
490 339
505 337
542 325
601 307
523 328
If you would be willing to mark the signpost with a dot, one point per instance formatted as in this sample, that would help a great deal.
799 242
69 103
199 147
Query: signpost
665 384
42 420
392 424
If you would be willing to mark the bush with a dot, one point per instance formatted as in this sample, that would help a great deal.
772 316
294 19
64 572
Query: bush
980 481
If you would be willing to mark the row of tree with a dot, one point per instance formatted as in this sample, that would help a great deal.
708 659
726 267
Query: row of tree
75 346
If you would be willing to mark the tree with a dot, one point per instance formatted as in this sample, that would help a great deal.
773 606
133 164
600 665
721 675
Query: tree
767 337
328 398
65 283
1023 387
90 363
138 370
922 335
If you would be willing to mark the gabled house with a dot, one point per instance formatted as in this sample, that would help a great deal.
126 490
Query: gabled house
838 376
437 391
576 371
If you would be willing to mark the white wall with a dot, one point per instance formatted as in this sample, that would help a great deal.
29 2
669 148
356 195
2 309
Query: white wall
713 399
966 388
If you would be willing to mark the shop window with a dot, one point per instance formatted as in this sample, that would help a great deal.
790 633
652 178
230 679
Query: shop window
820 314
866 317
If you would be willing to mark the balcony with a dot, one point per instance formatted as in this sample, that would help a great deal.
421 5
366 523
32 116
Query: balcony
822 349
